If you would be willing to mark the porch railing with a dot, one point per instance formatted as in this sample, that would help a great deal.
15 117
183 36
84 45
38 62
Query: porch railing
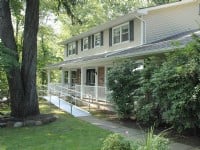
94 92
85 91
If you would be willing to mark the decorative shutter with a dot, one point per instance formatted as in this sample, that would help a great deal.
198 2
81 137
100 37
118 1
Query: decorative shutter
81 44
131 28
89 42
93 41
110 37
76 47
101 38
67 51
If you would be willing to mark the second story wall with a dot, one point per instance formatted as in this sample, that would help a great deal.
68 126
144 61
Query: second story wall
170 21
129 36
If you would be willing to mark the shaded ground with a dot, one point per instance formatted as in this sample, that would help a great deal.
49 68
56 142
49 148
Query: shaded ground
131 123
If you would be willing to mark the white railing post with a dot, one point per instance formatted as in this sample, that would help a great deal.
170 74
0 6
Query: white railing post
96 83
82 81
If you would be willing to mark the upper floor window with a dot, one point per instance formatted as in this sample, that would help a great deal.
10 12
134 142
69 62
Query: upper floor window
85 43
72 48
120 33
97 40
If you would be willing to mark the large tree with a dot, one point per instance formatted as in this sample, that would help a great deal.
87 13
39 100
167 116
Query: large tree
22 78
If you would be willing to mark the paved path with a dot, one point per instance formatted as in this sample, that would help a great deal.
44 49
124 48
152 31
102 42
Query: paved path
68 107
132 134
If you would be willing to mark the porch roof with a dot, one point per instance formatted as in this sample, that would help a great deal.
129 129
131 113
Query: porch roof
161 46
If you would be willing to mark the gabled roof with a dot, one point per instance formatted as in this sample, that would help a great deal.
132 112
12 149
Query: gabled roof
161 46
121 19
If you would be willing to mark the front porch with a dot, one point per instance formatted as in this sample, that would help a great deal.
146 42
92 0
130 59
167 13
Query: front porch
83 83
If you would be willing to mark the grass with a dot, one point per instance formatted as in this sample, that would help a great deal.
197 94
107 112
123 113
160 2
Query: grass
67 133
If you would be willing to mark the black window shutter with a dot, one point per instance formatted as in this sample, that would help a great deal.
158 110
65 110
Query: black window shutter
81 44
67 50
110 37
101 38
76 47
131 28
89 42
93 41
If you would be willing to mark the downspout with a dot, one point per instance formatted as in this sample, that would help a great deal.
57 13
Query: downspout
143 29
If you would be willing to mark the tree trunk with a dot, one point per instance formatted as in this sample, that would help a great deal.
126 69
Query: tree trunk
22 83
13 75
29 58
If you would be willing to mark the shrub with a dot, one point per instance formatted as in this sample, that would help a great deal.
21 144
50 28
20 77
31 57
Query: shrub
155 142
115 142
123 80
170 92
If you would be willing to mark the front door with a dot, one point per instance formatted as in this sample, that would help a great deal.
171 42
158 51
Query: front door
90 77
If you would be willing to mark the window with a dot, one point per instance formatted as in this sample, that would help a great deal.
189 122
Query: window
65 77
124 34
97 40
72 48
116 35
120 33
85 43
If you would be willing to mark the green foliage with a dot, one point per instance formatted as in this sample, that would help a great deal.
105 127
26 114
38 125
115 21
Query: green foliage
165 92
115 142
7 58
155 142
171 91
147 108
159 2
152 142
123 80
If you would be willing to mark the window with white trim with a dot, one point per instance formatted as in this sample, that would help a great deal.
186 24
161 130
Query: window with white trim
72 48
120 33
85 43
97 40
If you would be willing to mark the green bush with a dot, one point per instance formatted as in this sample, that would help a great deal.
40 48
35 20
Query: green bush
155 142
115 142
170 92
123 80
148 108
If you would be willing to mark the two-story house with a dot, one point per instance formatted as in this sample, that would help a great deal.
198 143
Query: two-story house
144 32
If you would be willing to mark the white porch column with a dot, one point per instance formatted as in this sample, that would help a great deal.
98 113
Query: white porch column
83 75
105 81
96 83
69 78
63 77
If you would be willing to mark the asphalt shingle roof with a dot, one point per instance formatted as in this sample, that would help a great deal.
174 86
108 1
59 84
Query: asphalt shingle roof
161 46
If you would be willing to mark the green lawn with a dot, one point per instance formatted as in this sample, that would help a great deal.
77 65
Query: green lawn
67 133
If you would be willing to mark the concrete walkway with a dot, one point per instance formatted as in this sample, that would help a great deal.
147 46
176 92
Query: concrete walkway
65 106
130 133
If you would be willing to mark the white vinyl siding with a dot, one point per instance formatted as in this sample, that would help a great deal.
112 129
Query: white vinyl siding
170 21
